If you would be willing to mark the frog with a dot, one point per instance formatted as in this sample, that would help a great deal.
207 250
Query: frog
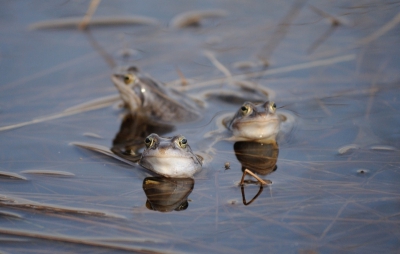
258 122
251 122
170 157
144 95
255 122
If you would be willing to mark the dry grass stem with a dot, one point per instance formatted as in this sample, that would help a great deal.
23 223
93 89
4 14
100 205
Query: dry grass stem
75 240
95 21
184 81
91 10
193 18
381 31
9 201
11 175
219 66
246 171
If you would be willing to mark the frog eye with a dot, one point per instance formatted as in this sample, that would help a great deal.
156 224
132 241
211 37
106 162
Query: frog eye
182 141
149 141
128 79
272 107
245 109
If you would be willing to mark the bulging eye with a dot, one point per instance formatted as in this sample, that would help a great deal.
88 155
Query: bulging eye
245 109
129 79
149 141
272 107
182 141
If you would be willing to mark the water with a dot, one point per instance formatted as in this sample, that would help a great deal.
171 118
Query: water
323 197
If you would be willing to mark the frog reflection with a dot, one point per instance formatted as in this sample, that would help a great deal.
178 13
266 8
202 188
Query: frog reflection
258 157
167 194
255 122
134 129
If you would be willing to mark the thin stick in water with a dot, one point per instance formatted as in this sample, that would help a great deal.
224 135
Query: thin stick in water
246 171
381 31
91 10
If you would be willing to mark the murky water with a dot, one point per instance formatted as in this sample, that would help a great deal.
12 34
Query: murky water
335 185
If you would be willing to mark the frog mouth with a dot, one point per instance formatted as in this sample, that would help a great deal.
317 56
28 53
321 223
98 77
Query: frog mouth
258 121
167 160
171 166
256 130
255 123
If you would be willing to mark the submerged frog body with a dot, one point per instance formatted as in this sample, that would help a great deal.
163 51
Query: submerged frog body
170 157
143 95
255 122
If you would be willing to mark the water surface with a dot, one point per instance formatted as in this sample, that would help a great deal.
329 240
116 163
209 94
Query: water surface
335 188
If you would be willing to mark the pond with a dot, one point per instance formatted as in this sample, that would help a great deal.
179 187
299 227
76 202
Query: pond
332 68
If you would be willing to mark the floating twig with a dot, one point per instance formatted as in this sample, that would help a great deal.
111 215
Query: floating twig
99 49
95 21
92 135
246 171
184 81
103 150
10 214
219 65
280 70
29 204
333 20
91 10
280 32
381 31
47 172
321 39
347 148
87 106
11 175
108 100
193 18
383 148
77 240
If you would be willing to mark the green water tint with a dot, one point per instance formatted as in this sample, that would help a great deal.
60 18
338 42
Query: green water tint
335 187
